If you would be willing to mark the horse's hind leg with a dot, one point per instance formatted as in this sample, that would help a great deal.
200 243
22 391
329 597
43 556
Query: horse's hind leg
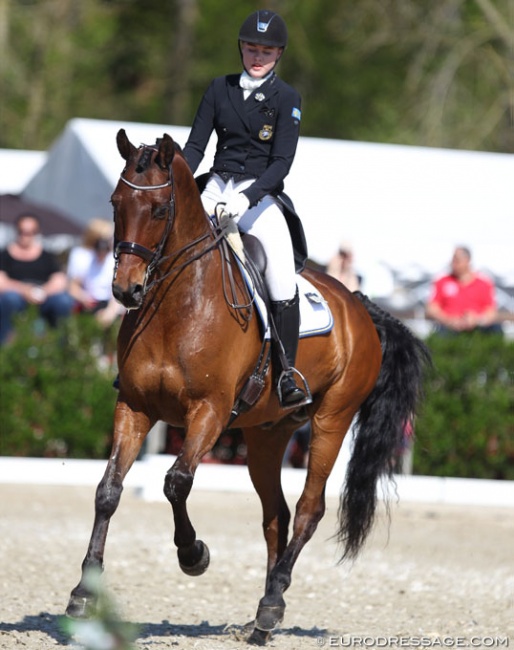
326 439
265 453
130 430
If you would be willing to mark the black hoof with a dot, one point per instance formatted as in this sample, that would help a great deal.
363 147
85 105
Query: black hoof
194 560
259 637
81 607
269 617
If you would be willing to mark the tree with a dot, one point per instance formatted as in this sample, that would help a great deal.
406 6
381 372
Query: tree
433 72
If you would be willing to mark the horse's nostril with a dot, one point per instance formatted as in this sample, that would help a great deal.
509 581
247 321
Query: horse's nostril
131 298
117 292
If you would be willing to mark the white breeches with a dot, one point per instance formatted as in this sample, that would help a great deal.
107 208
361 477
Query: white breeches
266 222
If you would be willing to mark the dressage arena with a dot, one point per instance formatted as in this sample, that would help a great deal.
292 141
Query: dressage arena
439 575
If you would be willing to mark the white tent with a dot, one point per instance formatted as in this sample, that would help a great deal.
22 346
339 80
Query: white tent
84 165
17 167
402 206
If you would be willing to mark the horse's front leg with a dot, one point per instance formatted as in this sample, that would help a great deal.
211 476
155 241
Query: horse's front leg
130 430
201 434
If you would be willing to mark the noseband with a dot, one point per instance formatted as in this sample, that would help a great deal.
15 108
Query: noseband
133 248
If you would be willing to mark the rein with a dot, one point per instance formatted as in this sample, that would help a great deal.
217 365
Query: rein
155 258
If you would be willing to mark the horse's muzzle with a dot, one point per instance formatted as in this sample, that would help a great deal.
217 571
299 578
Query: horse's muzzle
131 297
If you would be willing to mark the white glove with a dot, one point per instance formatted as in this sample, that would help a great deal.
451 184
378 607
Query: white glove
237 205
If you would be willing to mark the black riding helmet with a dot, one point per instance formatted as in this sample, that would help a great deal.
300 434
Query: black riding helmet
264 27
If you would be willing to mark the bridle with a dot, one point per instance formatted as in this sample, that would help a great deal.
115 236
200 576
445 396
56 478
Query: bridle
155 257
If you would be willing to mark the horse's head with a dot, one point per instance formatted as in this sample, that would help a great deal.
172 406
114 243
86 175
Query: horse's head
144 209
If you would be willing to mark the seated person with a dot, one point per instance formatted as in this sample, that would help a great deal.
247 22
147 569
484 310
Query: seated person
463 300
30 275
341 268
90 273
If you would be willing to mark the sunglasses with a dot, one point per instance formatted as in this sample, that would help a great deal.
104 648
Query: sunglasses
28 233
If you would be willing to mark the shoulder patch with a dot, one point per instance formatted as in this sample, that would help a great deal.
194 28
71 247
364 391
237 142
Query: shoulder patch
297 114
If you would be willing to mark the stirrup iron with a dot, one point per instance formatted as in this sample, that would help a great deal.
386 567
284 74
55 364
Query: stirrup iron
307 391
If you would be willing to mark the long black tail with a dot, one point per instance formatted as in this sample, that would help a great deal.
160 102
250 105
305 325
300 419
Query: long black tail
380 425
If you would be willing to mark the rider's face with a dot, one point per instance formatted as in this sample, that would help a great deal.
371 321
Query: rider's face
259 60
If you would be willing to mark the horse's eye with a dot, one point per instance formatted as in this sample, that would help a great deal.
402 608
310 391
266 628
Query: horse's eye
160 212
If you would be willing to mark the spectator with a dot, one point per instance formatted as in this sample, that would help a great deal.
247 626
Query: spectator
30 275
90 272
463 300
341 268
297 451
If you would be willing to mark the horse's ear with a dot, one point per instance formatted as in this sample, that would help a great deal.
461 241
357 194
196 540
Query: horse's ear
125 147
166 152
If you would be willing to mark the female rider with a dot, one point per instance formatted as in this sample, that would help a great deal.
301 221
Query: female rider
256 117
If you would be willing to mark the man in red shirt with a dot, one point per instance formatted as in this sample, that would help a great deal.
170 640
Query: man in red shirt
463 300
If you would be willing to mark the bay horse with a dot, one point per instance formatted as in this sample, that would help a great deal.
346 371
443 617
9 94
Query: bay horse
185 353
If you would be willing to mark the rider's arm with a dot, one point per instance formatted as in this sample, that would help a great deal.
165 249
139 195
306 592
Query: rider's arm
201 130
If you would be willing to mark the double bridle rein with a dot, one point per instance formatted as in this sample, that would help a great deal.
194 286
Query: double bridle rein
155 257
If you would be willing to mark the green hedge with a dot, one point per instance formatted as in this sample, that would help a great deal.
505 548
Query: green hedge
56 395
466 426
56 399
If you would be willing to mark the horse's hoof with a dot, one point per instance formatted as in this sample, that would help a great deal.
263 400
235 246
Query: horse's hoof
269 617
194 561
259 637
80 607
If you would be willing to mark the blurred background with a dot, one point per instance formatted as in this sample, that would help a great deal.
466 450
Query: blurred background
436 73
406 145
407 119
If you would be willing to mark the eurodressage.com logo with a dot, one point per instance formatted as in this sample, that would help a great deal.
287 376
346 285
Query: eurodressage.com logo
413 642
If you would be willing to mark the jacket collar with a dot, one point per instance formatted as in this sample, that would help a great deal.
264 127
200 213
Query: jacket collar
255 101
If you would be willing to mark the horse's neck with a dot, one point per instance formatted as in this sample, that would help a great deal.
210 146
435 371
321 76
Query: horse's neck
191 221
192 234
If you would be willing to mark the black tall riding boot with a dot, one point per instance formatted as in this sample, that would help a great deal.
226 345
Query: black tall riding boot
286 314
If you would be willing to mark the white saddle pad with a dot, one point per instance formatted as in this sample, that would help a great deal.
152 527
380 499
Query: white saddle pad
315 315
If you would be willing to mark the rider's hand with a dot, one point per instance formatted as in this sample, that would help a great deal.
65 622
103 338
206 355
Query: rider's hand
237 205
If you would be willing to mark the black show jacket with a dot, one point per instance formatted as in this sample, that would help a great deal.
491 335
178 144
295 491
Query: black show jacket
257 138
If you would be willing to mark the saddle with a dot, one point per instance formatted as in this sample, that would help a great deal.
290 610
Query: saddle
316 318
255 251
315 315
